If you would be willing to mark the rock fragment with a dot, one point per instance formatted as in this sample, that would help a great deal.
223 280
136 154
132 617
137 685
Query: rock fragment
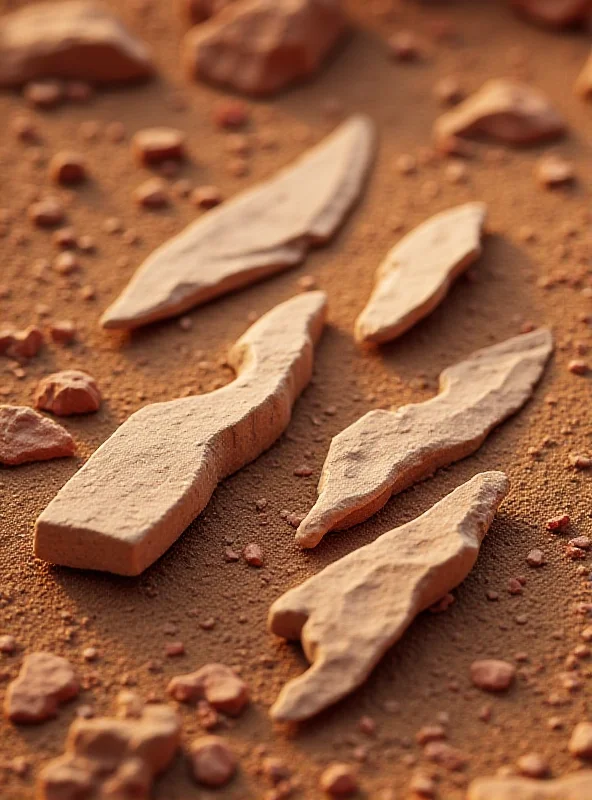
349 614
577 786
114 756
262 231
261 46
212 761
553 170
504 110
71 391
339 780
218 684
418 272
69 39
492 675
156 145
117 514
46 213
63 331
584 81
385 452
152 194
44 94
554 13
26 436
21 344
68 168
580 744
43 684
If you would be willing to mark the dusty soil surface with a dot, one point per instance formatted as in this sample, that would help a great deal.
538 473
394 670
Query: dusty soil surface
427 673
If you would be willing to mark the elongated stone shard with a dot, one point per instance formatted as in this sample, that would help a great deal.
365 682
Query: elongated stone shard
349 614
385 452
503 110
76 39
570 787
139 491
416 275
264 230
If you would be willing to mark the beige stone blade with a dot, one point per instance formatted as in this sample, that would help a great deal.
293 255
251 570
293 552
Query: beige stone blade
349 614
577 786
418 272
262 231
385 452
157 472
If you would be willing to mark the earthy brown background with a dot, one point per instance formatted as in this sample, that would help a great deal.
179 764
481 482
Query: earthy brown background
65 611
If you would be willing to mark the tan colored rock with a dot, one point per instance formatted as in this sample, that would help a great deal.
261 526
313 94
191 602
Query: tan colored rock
349 614
492 674
69 39
553 170
21 344
577 786
504 110
26 436
212 761
261 46
554 13
418 272
580 744
223 689
262 231
155 145
113 757
43 684
135 496
69 392
584 81
385 452
68 168
339 780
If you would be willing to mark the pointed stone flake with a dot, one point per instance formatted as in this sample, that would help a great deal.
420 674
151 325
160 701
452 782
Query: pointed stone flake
349 614
503 110
139 491
27 436
385 452
577 786
417 273
264 230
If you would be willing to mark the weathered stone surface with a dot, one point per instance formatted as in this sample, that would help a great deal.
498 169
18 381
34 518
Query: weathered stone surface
385 452
504 110
584 81
264 230
155 145
580 744
349 614
492 675
212 761
70 39
113 757
71 391
417 274
157 472
260 46
571 787
26 436
43 684
223 689
554 13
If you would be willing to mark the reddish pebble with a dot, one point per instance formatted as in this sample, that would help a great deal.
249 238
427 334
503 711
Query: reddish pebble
404 46
579 461
253 555
7 644
21 344
24 129
44 682
557 523
152 194
46 213
65 239
69 392
339 780
553 170
448 757
303 472
422 785
448 90
514 586
68 168
430 733
533 765
578 367
582 542
231 114
78 92
155 145
62 331
172 649
223 689
212 761
206 197
580 744
492 675
535 558
66 263
44 94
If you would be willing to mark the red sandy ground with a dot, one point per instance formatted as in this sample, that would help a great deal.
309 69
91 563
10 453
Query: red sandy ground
65 611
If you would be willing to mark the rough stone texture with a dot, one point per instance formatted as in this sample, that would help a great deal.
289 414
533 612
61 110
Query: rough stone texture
21 344
553 170
212 761
571 787
339 780
260 46
113 757
43 684
264 230
554 13
223 689
155 145
580 744
418 272
157 472
71 39
385 452
492 675
348 615
584 81
503 110
26 436
69 392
